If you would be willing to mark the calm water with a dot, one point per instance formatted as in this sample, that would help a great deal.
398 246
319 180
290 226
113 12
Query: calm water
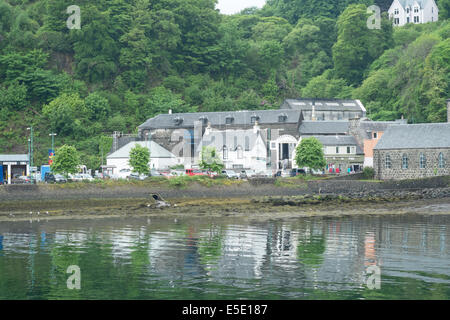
314 258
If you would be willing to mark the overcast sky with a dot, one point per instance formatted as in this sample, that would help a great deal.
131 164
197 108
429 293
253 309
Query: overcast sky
235 6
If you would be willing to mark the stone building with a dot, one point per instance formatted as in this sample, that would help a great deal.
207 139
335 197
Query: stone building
413 151
280 130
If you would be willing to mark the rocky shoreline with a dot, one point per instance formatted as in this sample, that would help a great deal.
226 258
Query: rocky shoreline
239 200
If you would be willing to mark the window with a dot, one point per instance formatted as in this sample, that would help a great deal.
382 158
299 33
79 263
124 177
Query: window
407 19
405 161
375 135
396 21
407 10
416 9
282 118
225 152
240 153
416 19
441 162
337 149
253 119
422 161
229 120
396 11
247 144
348 149
388 163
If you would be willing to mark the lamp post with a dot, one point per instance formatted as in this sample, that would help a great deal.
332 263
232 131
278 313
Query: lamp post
53 141
31 153
29 158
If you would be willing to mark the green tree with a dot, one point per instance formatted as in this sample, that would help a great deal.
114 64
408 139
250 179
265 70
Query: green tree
139 159
309 153
357 46
210 160
66 160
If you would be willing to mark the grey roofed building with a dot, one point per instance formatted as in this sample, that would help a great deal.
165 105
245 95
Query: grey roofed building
323 104
323 127
240 118
13 157
229 137
156 151
340 141
369 126
415 136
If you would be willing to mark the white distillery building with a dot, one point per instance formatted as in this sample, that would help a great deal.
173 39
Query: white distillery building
238 149
413 11
160 158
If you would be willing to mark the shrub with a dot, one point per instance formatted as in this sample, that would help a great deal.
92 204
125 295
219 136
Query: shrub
368 173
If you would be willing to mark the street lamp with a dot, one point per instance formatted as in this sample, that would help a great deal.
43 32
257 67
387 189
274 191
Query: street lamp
31 152
53 141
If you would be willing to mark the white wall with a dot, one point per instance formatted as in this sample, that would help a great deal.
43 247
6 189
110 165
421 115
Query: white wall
155 163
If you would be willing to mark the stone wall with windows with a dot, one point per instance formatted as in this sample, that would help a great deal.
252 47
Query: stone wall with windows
400 164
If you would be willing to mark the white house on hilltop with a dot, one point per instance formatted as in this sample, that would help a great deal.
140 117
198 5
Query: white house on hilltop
413 11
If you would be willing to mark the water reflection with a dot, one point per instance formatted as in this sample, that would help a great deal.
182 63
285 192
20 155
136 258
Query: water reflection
192 259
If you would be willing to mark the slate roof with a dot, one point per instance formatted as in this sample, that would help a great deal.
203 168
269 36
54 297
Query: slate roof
415 136
220 138
340 141
410 3
323 104
323 127
13 157
242 118
156 151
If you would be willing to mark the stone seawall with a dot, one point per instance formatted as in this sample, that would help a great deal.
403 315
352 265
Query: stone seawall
243 190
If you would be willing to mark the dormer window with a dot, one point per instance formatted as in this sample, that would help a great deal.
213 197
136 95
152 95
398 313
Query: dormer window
203 120
396 11
178 121
253 119
407 10
229 120
282 117
416 9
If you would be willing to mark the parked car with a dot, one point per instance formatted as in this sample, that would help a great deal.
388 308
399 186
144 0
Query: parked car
264 174
20 179
137 176
195 172
75 177
246 174
155 173
230 174
296 172
86 177
54 178
124 173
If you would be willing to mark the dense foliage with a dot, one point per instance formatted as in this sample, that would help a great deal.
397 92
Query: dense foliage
66 160
309 153
139 159
133 59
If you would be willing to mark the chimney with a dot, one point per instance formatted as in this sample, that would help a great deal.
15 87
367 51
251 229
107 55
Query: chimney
256 127
313 112
448 110
170 111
